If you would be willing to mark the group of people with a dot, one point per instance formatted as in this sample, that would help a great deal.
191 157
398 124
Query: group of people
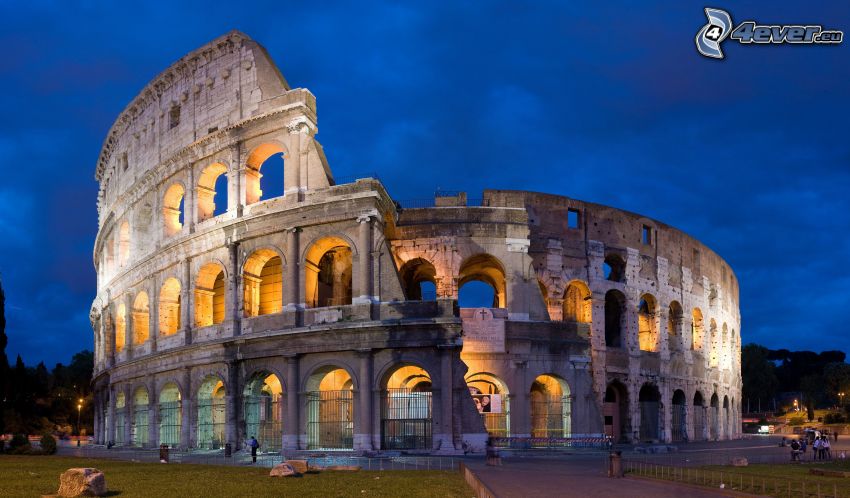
821 448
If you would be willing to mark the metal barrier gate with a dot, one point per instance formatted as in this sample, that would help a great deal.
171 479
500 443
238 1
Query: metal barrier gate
406 419
330 421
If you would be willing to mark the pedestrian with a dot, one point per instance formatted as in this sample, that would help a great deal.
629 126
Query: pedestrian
825 448
254 444
835 435
795 451
803 443
816 448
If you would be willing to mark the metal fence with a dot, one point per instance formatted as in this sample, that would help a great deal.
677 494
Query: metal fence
405 419
330 421
734 481
170 416
263 420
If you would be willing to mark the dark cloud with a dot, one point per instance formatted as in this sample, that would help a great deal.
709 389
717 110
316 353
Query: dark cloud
604 103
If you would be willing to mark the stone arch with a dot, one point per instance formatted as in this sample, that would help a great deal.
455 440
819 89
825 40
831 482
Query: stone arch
649 400
615 410
724 431
485 268
647 329
212 412
328 272
699 416
174 209
169 307
675 338
697 330
615 318
124 244
263 409
714 418
170 414
141 318
262 279
550 407
578 303
141 417
210 294
256 159
120 327
120 417
497 419
406 408
206 190
679 427
417 274
330 408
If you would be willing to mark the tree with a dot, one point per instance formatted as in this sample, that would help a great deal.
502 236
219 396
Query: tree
758 374
836 378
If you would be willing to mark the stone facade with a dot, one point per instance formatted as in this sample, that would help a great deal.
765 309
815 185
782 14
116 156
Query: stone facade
301 318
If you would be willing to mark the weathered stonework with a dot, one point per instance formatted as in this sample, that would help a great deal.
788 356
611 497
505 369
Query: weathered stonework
300 316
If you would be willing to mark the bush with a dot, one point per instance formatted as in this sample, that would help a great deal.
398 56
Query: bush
18 441
834 418
796 421
48 444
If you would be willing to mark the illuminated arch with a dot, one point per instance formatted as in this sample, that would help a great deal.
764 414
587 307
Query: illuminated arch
328 273
550 407
210 291
262 279
263 409
406 409
141 418
675 339
497 420
206 190
253 177
330 409
647 330
488 269
418 274
170 414
141 318
173 209
120 328
124 244
578 303
169 307
698 330
212 411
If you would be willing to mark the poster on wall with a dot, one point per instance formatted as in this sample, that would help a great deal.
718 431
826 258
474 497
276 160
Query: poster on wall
486 403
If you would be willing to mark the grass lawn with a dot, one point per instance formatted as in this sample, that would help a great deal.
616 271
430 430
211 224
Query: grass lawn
36 475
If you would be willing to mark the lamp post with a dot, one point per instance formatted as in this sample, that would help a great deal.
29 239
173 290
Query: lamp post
79 408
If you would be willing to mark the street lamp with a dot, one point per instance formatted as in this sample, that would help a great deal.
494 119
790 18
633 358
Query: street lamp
79 408
796 408
841 395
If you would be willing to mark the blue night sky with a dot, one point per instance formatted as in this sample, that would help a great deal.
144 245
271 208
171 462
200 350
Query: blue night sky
604 103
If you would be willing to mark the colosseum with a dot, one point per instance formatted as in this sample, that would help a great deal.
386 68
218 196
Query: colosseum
320 314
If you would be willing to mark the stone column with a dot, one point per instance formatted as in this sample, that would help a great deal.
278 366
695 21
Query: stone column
363 283
129 416
520 401
153 413
110 415
235 191
291 425
292 167
232 311
292 295
665 418
445 438
364 416
153 314
186 302
190 206
129 326
231 428
187 426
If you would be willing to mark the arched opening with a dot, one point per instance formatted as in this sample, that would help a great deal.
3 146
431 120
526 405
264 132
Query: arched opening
615 304
714 418
173 209
577 303
109 256
120 328
699 417
492 400
714 338
487 270
263 408
679 429
209 295
614 268
647 330
268 158
649 400
419 279
170 415
140 429
330 410
726 424
262 278
550 407
675 339
406 405
124 244
723 347
169 307
141 318
615 411
120 418
212 191
328 273
698 330
211 413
